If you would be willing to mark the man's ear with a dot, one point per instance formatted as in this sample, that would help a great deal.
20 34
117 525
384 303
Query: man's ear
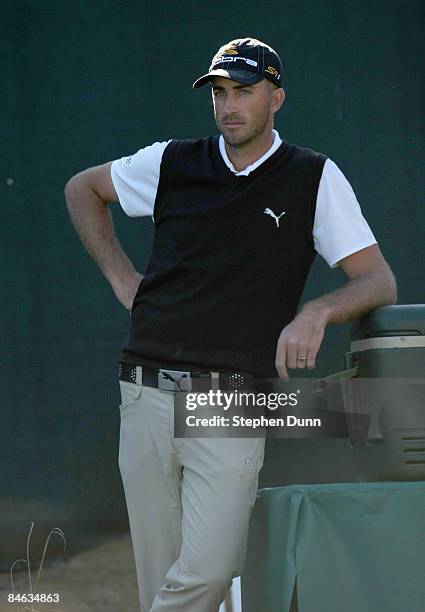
278 98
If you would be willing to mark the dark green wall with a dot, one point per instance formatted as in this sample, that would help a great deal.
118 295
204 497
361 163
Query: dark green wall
86 82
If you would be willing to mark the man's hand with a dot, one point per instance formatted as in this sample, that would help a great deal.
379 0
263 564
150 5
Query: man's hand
371 285
126 290
87 196
299 343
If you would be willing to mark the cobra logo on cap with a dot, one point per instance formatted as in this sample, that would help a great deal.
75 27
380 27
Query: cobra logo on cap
224 59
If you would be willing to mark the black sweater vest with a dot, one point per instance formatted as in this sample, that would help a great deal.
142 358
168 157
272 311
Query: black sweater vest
230 258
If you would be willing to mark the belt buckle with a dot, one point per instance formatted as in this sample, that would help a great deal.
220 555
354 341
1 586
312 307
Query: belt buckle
170 381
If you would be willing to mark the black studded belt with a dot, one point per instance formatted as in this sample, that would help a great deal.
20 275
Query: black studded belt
183 380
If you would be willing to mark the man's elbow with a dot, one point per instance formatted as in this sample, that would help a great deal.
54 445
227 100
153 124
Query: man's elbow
80 193
389 288
69 184
92 185
393 290
72 188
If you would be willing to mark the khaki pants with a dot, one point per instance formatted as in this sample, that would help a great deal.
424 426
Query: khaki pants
189 502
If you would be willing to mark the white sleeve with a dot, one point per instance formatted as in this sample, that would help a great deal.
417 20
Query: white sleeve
136 179
339 227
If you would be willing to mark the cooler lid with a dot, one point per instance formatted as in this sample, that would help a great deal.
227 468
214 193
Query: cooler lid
398 320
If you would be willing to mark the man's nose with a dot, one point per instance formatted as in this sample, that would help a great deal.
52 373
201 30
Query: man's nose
230 105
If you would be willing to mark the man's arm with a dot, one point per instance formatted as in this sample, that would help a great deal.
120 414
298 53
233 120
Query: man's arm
87 196
371 285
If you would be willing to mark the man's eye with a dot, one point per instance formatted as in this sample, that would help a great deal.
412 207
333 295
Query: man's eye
218 93
244 91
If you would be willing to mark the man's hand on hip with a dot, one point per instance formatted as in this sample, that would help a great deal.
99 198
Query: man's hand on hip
126 289
87 196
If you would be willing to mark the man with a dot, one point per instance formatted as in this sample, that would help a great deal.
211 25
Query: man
238 220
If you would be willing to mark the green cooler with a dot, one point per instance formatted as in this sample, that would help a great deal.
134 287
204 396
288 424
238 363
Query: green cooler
388 348
357 544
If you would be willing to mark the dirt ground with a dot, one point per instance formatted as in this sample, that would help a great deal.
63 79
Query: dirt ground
99 580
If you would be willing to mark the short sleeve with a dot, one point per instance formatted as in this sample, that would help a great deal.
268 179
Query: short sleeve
136 179
339 227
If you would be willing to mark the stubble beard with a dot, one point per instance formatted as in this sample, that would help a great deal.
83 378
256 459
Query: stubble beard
249 133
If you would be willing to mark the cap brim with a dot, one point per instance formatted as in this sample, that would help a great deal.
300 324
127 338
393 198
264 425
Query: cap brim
241 76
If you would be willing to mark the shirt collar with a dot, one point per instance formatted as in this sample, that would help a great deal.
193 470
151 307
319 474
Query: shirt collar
275 145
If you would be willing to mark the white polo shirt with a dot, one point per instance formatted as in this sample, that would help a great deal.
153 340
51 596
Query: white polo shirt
339 227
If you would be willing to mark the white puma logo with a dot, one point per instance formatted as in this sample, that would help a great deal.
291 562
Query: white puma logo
268 211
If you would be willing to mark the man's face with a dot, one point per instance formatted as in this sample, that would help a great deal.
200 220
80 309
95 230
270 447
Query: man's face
242 112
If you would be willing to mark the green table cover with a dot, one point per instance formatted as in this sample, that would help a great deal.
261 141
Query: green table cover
351 547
